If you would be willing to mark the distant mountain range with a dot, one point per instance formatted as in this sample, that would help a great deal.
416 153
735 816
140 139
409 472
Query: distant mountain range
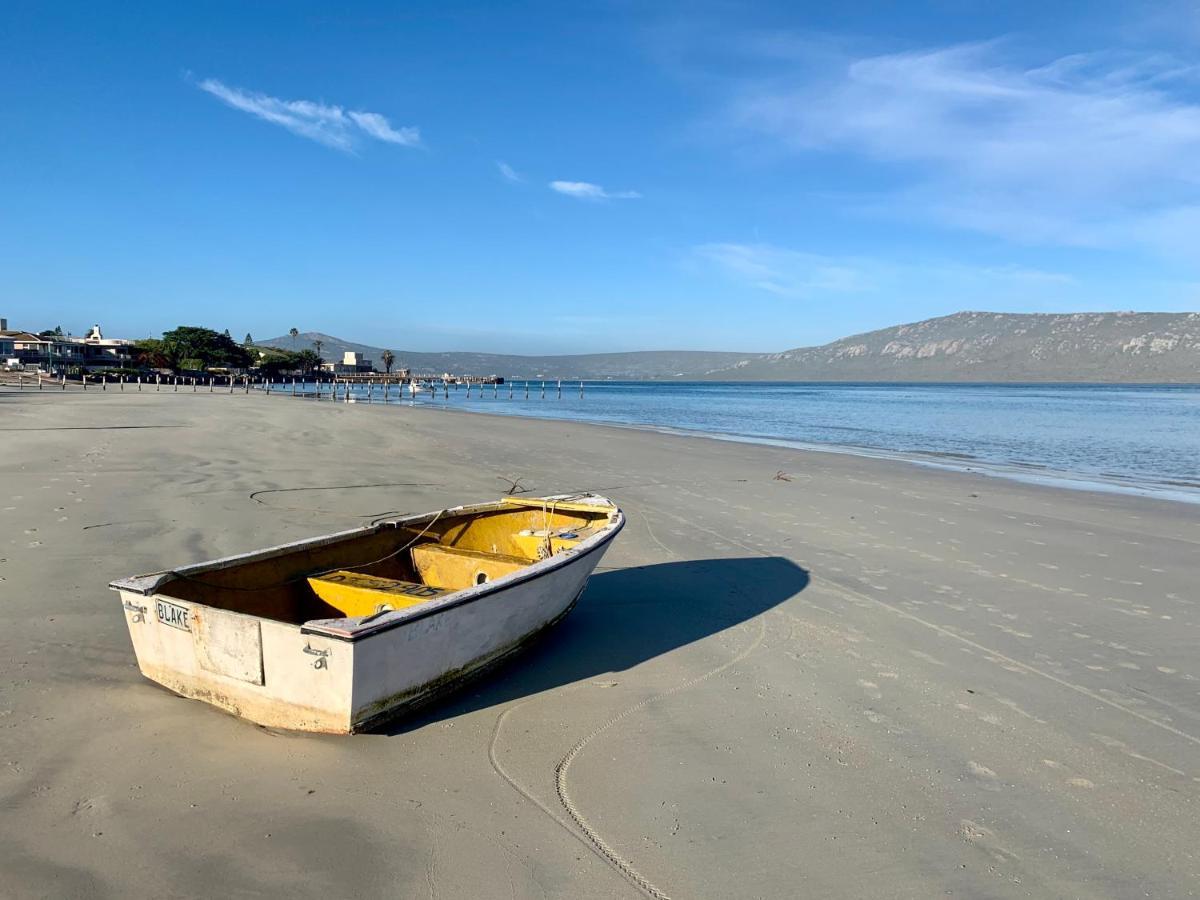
966 346
652 364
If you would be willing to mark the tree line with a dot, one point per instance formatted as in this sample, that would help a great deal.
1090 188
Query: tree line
192 348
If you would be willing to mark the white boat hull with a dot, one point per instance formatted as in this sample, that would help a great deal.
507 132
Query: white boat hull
328 676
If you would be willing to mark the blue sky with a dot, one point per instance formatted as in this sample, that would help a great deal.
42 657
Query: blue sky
550 177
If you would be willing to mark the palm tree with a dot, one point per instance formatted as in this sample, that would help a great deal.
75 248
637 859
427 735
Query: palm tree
388 357
295 333
318 361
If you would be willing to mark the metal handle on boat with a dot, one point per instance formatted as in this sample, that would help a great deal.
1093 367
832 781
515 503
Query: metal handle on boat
321 662
139 612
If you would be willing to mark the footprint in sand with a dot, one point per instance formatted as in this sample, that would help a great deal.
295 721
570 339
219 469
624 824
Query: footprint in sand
988 779
871 688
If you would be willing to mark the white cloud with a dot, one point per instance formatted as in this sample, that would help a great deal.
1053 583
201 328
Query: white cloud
508 172
329 125
787 273
379 128
800 275
587 191
1079 150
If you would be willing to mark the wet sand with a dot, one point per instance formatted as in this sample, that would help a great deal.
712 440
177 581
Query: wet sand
862 679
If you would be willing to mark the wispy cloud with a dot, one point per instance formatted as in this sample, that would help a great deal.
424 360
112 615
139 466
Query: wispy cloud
508 172
796 274
787 273
1080 149
325 124
585 190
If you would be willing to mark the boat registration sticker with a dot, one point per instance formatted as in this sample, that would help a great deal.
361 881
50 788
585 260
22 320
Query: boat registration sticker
170 614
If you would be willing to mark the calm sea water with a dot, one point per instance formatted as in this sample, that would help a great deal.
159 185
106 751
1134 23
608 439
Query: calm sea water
1145 439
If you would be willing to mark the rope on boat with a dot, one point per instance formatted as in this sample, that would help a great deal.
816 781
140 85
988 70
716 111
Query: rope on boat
297 579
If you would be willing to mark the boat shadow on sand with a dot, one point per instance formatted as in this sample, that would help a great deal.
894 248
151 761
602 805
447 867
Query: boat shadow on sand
626 617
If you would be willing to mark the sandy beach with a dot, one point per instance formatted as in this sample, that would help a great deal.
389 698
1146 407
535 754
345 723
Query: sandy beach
860 678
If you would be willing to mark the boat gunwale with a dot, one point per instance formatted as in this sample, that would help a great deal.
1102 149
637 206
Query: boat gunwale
153 583
400 617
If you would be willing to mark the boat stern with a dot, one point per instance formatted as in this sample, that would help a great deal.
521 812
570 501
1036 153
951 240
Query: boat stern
255 668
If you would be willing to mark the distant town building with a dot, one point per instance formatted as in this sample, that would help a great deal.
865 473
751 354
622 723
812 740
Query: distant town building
352 364
55 353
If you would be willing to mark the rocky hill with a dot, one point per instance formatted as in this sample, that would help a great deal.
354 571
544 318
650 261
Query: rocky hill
980 346
967 346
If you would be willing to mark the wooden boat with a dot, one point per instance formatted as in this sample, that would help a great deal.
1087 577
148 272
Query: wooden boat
338 633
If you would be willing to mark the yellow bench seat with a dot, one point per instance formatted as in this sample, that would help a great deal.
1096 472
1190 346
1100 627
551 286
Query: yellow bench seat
457 568
355 594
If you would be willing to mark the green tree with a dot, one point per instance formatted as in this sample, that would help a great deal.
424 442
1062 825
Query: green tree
317 345
150 353
387 357
203 345
307 360
275 362
295 333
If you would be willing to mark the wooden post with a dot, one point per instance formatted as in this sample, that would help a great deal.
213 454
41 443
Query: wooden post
122 383
543 390
193 384
580 388
293 385
39 379
22 383
64 382
560 389
510 389
526 388
139 383
176 384
158 382
495 389
210 383
104 384
246 382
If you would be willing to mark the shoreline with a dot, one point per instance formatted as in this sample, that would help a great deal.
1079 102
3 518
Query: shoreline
1025 473
1034 474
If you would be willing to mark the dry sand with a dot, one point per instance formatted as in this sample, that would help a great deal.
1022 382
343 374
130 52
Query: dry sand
871 680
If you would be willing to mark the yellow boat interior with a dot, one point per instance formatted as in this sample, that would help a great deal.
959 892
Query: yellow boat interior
395 566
